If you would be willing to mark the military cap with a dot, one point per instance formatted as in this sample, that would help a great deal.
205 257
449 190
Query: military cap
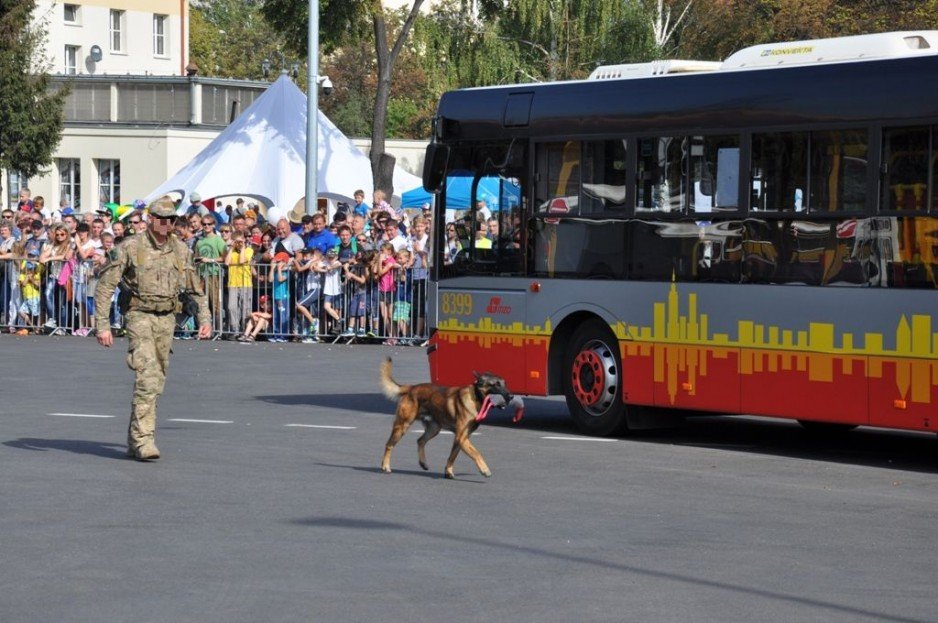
162 207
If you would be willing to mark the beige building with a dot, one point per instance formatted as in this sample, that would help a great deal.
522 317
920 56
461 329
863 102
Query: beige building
137 37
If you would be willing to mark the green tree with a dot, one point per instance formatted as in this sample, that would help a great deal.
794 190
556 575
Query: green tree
31 117
718 28
340 20
231 38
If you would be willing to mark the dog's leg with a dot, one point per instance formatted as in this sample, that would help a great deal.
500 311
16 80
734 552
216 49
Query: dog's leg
461 442
473 453
433 429
448 472
406 413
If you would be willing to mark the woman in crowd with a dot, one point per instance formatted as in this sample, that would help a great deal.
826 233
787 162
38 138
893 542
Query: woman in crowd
57 256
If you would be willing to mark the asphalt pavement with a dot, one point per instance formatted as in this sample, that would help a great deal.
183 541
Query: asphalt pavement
268 505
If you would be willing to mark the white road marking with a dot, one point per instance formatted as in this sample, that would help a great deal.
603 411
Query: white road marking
82 415
179 419
321 426
442 432
580 439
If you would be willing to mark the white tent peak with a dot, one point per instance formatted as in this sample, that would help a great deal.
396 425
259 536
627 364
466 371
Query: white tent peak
262 154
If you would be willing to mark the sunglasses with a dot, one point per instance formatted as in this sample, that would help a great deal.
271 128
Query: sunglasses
208 223
137 222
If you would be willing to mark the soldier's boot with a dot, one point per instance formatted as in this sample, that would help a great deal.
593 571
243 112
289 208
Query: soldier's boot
140 433
148 452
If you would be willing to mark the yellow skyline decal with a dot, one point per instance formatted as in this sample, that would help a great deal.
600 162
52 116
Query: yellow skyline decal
762 348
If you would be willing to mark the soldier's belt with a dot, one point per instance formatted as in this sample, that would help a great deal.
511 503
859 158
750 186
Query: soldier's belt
153 305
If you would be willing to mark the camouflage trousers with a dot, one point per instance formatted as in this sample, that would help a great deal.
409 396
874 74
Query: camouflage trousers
150 338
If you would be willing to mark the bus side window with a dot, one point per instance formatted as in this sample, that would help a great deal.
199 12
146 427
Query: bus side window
661 181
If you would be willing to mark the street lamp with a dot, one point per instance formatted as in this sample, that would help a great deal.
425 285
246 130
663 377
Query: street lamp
312 110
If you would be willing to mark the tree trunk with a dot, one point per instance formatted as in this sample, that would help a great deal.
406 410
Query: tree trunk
382 164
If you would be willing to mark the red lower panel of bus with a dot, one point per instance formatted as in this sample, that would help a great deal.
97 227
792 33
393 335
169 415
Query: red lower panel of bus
805 386
522 362
904 393
853 389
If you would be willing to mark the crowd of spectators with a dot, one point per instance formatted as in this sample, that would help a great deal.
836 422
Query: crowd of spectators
360 275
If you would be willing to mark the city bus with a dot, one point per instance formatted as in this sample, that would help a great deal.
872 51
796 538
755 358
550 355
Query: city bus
757 236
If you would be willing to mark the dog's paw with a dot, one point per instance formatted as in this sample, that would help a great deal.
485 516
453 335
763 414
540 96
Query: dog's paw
487 473
385 469
424 466
449 476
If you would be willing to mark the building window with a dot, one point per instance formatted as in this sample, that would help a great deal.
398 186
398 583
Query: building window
117 30
72 53
160 29
70 181
15 182
70 13
109 181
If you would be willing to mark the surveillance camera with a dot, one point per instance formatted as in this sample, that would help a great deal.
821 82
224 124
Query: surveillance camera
326 86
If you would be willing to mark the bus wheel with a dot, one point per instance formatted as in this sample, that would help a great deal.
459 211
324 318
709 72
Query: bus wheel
593 380
826 429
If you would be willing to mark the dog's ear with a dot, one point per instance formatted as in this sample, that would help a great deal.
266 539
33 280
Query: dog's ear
477 375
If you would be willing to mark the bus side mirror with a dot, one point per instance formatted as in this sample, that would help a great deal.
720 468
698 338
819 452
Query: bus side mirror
434 167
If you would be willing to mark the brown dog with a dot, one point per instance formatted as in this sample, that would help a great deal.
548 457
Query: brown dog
457 409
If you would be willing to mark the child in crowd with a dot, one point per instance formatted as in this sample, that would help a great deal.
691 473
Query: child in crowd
357 276
384 270
259 320
308 291
240 282
280 278
30 280
402 298
332 289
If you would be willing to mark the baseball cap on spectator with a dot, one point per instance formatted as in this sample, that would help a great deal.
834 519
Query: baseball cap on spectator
282 257
251 214
68 211
139 204
36 224
332 253
340 217
195 197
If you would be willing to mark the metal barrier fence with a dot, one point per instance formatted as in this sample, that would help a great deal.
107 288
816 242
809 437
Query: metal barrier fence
259 301
49 297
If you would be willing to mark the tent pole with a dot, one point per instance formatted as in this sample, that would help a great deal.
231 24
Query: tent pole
312 111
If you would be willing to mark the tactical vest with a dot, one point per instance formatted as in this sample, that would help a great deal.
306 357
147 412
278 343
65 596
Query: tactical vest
156 289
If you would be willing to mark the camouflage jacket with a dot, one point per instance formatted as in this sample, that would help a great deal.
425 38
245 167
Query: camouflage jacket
155 275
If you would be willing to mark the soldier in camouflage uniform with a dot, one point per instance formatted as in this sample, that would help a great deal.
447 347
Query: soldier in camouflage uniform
155 267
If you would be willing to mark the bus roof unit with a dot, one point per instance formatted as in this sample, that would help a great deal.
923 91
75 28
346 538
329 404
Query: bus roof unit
654 68
841 49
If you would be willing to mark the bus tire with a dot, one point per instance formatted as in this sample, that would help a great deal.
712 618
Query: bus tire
592 380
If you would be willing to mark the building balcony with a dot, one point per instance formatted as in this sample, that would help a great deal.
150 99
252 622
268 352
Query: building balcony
162 101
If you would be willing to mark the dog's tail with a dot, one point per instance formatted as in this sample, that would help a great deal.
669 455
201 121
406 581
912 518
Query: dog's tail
391 388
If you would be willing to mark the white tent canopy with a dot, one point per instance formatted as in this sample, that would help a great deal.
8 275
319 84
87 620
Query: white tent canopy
262 154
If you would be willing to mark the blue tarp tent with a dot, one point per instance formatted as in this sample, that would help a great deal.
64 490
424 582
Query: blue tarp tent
458 189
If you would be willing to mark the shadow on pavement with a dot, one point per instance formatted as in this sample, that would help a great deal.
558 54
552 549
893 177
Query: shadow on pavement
687 578
437 475
78 446
364 402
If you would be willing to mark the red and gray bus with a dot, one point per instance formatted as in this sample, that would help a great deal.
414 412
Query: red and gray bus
758 236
